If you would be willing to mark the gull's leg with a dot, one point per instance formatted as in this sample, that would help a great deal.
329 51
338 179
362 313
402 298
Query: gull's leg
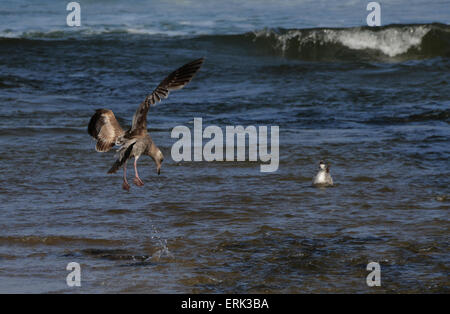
125 184
137 180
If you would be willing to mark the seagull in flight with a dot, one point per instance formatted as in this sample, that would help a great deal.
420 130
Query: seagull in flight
136 141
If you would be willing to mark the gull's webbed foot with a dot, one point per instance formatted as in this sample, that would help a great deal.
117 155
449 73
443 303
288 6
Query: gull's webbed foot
138 181
125 186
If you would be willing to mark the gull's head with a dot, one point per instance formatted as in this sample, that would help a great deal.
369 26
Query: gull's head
155 153
159 160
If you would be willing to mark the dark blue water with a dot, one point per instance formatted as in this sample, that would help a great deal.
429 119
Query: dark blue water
373 102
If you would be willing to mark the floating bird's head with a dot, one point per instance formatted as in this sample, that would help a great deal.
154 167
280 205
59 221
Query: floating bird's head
322 165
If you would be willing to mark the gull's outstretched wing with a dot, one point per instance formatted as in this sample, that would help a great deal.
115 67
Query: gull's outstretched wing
104 127
176 80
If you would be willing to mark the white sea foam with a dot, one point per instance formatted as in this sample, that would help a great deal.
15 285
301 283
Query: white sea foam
390 41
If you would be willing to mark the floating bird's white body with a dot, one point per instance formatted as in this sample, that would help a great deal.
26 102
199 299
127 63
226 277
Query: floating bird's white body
323 177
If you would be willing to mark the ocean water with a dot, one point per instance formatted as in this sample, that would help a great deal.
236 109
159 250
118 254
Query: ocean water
372 102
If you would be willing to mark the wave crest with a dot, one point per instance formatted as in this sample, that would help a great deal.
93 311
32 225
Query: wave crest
387 43
375 43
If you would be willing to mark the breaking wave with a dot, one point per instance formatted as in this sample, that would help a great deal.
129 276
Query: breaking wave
388 43
392 42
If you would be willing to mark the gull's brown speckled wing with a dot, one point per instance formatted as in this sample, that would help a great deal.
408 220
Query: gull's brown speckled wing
104 127
176 80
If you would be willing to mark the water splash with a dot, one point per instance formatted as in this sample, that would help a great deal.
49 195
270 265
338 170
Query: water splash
163 250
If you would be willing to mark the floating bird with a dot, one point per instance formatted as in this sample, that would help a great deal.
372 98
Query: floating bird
136 141
323 177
